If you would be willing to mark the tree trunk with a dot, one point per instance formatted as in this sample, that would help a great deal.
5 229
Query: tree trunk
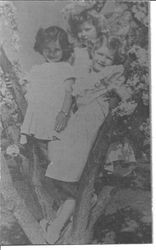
28 223
35 171
81 229
84 216
8 70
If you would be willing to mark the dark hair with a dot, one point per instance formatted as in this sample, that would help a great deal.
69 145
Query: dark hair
115 45
53 33
97 20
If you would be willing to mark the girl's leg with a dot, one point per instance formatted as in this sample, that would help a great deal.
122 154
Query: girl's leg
55 227
60 190
68 191
42 148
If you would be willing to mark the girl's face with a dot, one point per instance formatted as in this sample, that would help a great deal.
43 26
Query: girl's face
102 57
87 31
52 52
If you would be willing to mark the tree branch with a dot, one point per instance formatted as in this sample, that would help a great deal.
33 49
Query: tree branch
7 68
80 232
103 200
36 173
28 223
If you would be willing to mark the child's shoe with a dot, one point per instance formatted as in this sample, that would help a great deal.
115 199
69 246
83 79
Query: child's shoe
52 230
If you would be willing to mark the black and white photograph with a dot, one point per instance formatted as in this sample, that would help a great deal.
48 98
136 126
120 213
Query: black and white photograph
75 98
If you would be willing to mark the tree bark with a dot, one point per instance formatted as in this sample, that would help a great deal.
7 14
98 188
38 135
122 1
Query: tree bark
8 70
84 219
36 173
28 223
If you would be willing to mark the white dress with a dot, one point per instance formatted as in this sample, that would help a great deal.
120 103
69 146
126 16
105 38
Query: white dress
45 98
69 155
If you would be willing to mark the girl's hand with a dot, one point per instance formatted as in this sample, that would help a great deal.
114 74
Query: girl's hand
61 121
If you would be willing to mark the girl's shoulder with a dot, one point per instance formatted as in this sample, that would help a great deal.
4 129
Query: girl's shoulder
49 68
60 70
39 72
35 69
39 68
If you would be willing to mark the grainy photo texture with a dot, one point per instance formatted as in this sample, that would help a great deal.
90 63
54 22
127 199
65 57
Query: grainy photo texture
75 122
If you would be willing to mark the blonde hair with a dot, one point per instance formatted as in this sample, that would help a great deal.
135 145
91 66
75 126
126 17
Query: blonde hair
99 21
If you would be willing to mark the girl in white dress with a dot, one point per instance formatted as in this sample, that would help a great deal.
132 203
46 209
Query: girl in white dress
69 154
49 92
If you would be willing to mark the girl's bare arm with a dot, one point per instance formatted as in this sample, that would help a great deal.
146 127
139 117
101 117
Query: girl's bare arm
67 102
63 115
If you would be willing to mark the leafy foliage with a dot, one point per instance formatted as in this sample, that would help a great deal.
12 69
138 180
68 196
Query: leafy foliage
125 226
129 22
8 25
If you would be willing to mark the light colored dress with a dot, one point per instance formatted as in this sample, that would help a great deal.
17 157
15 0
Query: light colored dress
45 96
69 155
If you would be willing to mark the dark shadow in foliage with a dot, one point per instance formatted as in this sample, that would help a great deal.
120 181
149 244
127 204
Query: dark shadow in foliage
126 227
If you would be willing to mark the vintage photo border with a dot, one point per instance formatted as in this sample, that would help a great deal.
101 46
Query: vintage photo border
153 137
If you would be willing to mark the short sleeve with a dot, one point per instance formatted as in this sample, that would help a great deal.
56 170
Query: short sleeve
31 78
27 79
28 76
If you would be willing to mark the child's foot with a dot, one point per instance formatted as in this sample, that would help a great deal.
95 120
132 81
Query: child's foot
52 230
44 223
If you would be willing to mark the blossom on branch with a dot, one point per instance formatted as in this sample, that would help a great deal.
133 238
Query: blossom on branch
13 150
